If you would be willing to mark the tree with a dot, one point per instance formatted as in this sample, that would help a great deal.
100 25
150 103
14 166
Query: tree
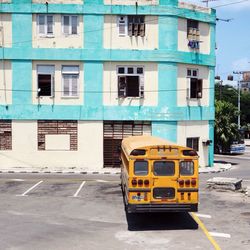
228 94
226 130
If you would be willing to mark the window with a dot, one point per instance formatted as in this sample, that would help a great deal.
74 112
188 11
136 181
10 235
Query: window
131 25
130 81
164 168
195 84
141 168
186 168
193 142
70 24
193 34
45 25
70 75
5 134
45 80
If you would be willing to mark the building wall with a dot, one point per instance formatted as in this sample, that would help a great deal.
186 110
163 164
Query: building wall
59 39
182 86
112 40
59 1
195 129
5 82
164 53
131 2
5 30
204 36
57 99
110 85
25 151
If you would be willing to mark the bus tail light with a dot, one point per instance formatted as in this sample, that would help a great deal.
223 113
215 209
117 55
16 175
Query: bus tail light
134 182
140 182
181 182
146 182
187 182
193 182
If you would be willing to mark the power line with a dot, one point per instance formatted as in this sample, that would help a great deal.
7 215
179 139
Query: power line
233 3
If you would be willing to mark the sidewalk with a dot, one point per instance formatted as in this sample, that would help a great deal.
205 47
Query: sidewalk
218 167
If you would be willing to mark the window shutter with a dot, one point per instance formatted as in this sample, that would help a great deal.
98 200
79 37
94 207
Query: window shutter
52 85
66 25
74 23
122 86
142 29
74 85
188 87
122 25
199 88
130 29
49 24
141 86
66 85
41 24
136 29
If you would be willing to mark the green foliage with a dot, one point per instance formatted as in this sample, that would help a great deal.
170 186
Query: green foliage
228 94
226 130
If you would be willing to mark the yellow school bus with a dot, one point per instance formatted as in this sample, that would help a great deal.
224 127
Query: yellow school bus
158 175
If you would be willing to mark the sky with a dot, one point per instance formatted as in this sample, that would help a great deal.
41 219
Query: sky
232 38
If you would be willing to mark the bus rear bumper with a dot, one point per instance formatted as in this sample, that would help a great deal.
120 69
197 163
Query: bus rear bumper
148 208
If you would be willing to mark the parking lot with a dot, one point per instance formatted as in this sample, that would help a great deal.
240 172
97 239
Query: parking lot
87 212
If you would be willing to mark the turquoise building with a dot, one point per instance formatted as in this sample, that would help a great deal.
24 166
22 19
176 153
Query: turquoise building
77 76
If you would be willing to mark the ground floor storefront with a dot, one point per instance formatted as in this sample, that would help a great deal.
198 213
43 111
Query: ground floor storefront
90 145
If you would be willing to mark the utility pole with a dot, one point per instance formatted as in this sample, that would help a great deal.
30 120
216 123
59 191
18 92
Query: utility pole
239 90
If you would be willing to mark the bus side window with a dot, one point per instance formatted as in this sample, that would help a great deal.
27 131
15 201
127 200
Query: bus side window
186 168
141 168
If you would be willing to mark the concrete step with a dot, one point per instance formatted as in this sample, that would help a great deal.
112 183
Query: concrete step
225 183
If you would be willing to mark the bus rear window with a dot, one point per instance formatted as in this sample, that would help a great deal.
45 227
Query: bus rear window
141 168
186 168
164 168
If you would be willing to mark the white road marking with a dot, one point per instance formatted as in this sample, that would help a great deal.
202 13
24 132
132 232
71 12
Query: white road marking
25 193
204 216
17 180
101 181
79 189
215 234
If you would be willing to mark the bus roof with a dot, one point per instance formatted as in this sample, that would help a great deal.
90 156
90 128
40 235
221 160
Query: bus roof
136 142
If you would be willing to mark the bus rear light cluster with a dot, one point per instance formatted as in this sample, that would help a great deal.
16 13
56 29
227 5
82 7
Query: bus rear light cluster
187 182
140 182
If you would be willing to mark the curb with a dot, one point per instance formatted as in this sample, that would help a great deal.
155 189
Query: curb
58 172
201 171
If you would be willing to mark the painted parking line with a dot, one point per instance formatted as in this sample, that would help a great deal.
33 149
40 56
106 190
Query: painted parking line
30 189
204 229
79 189
204 216
101 181
215 234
